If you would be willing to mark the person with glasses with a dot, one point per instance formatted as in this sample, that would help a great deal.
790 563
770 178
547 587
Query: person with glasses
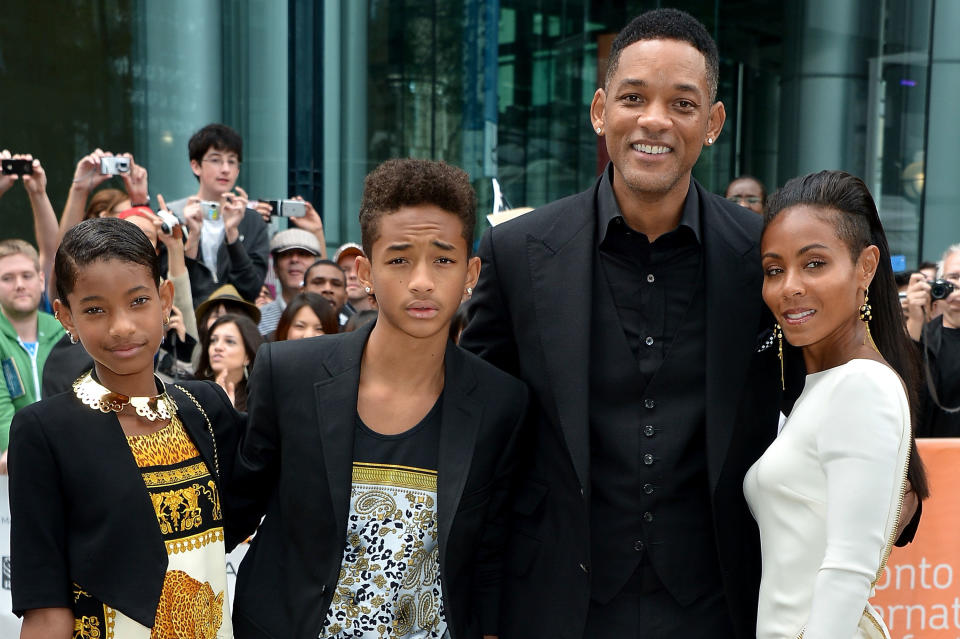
228 242
748 192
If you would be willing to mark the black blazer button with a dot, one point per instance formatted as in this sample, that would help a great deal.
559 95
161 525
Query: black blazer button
323 589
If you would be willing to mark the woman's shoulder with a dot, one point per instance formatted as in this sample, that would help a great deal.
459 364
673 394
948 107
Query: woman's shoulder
869 376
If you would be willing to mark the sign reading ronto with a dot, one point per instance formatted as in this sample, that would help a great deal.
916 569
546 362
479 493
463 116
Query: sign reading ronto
919 593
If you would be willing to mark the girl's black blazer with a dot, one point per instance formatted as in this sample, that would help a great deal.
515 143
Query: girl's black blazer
80 512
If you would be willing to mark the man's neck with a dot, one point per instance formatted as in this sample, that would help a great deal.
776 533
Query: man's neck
419 361
208 195
25 324
361 303
652 214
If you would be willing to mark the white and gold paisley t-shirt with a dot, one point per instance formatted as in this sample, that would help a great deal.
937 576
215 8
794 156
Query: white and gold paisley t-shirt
389 584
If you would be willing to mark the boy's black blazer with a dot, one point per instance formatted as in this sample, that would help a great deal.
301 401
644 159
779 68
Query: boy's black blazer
295 463
80 511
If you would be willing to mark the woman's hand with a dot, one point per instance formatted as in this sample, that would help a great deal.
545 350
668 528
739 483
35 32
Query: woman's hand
87 175
228 386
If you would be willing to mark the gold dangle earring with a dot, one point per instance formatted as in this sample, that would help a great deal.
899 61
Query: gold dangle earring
778 333
866 315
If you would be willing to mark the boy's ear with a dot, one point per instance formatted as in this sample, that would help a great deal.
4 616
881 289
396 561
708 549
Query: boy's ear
364 273
195 167
473 272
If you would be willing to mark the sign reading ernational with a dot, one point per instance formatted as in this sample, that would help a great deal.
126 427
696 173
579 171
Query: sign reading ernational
919 593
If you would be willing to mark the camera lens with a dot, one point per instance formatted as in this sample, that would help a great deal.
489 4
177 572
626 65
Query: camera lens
940 289
165 228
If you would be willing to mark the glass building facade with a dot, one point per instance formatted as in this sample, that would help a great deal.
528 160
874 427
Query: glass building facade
324 90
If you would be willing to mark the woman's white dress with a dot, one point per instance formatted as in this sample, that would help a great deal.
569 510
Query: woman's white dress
826 495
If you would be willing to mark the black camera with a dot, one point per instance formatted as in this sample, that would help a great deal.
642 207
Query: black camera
940 289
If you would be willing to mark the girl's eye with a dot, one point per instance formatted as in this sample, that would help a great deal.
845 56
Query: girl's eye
143 299
93 310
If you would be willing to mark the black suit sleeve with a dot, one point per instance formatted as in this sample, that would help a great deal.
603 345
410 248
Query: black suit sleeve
494 537
38 535
489 332
257 464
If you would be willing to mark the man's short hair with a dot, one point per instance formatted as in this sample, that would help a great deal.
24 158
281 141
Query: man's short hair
322 262
215 136
668 24
407 182
20 247
955 248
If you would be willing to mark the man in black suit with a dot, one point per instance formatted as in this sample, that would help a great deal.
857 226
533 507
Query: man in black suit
633 311
382 456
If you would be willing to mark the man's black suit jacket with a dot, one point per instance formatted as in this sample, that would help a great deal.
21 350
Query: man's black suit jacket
531 317
296 461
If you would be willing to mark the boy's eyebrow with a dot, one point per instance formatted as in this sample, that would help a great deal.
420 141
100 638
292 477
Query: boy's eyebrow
445 246
400 246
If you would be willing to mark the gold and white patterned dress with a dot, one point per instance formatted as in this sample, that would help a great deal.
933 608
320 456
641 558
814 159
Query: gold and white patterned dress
187 505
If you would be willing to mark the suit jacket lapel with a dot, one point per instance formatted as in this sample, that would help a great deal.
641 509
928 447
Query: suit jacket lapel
561 272
460 417
733 283
336 402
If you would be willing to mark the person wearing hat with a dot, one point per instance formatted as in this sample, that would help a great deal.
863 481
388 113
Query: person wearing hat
223 300
293 251
357 299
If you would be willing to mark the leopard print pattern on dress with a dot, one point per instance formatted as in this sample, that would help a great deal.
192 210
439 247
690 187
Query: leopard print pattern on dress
168 446
188 609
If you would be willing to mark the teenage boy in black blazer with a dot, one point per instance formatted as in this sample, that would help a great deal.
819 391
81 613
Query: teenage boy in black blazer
381 456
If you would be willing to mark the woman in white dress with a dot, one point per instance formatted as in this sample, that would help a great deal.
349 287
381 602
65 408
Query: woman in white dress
827 493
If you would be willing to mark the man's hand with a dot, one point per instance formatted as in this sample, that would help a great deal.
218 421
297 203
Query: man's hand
918 304
311 222
265 211
232 208
87 175
135 182
36 184
193 216
173 241
3 463
6 181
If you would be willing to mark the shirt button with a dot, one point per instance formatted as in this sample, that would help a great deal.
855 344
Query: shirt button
648 459
648 430
648 341
651 278
648 516
649 403
648 489
638 546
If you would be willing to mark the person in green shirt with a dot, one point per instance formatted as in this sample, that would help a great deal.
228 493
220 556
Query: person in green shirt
27 334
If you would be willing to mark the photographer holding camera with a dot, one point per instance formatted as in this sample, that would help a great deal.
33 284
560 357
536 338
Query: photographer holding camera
940 344
228 242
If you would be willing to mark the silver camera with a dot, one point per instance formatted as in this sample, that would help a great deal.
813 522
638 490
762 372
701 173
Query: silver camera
114 165
169 221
